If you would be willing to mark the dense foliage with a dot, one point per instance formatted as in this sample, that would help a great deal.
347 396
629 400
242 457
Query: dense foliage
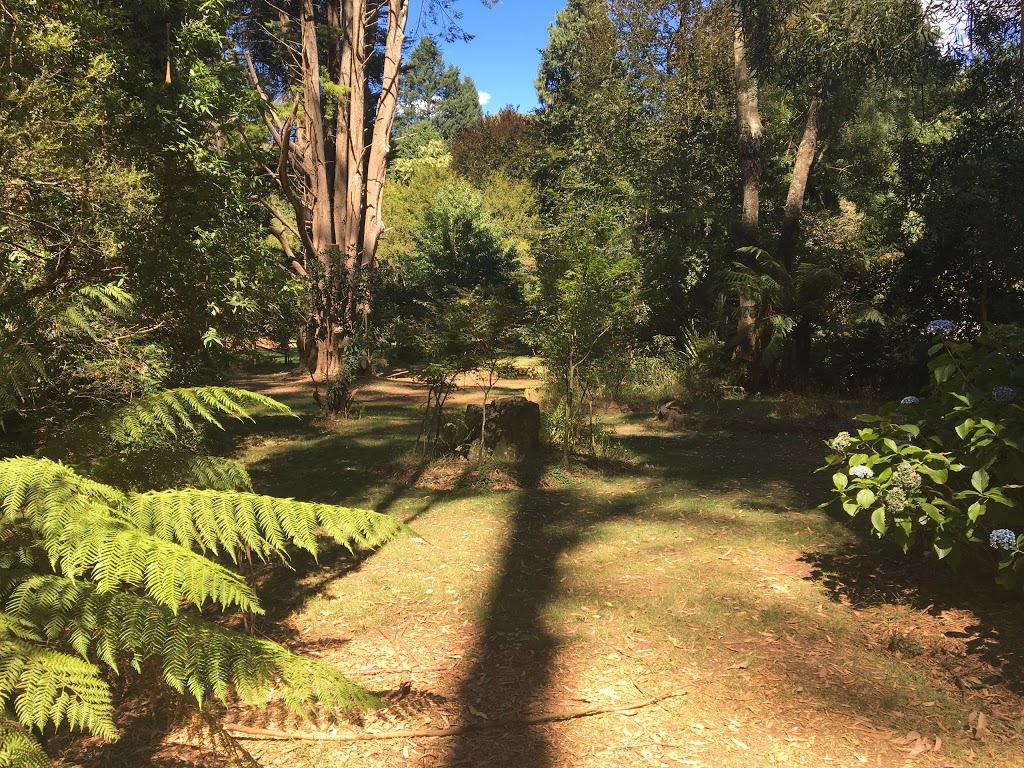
945 469
775 194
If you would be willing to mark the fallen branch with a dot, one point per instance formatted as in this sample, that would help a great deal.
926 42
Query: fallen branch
546 717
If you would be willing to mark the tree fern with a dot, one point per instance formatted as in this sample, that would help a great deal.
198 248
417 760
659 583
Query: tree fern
85 530
19 749
90 307
91 574
20 370
176 410
216 521
106 625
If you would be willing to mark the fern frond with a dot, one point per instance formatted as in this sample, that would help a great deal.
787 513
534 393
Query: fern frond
19 749
171 466
87 531
176 410
114 623
47 687
89 306
20 370
218 521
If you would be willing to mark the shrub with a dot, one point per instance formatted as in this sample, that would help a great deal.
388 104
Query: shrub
95 576
944 469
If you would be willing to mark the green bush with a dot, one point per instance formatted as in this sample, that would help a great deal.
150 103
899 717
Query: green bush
95 577
945 470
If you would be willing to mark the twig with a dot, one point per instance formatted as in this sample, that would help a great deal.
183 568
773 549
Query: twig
546 717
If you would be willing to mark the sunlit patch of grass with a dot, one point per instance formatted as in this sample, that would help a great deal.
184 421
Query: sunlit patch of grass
678 566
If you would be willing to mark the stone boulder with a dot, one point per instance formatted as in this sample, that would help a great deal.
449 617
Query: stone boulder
513 426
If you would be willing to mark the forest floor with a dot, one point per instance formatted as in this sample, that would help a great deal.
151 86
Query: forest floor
693 565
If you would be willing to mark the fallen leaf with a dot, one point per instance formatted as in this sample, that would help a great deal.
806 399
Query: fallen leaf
920 748
911 738
981 726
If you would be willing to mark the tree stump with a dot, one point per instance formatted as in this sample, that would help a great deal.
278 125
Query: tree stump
513 426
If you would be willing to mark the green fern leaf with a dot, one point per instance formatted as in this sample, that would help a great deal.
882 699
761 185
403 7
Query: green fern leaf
176 410
218 521
19 749
122 622
87 532
20 370
47 687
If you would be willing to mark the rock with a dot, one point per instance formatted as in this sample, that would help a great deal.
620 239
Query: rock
513 426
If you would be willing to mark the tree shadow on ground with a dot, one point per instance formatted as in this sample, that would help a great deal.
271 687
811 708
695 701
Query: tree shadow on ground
983 621
514 657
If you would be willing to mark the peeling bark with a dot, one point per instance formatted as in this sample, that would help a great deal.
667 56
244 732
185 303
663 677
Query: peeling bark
332 172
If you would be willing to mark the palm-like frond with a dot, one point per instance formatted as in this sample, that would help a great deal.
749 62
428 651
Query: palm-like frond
18 749
20 370
110 624
168 466
89 307
86 530
47 687
174 411
218 521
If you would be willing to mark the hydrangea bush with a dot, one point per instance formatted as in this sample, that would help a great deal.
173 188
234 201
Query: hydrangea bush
945 469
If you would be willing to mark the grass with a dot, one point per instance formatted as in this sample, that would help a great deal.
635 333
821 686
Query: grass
700 563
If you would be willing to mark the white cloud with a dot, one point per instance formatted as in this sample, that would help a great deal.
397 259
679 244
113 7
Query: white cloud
484 98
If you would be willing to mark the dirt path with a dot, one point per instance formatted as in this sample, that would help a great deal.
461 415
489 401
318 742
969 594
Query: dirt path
695 564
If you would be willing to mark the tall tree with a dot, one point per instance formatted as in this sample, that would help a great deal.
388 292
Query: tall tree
327 75
824 60
436 94
423 84
460 108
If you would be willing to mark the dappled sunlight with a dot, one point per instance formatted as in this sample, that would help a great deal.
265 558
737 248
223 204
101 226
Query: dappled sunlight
676 569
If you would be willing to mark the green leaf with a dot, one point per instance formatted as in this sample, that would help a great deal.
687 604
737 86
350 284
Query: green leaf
942 546
976 510
865 498
965 428
933 512
940 476
980 480
911 429
997 495
943 373
840 481
878 521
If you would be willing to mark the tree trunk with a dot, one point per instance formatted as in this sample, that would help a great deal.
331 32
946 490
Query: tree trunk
790 233
332 173
749 130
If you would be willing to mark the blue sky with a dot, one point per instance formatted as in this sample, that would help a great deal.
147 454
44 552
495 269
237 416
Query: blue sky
503 56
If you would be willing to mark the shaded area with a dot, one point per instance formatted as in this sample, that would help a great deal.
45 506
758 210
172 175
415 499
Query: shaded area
770 472
981 621
514 657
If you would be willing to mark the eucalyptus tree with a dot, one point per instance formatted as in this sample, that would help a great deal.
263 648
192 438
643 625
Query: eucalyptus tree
823 57
327 76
